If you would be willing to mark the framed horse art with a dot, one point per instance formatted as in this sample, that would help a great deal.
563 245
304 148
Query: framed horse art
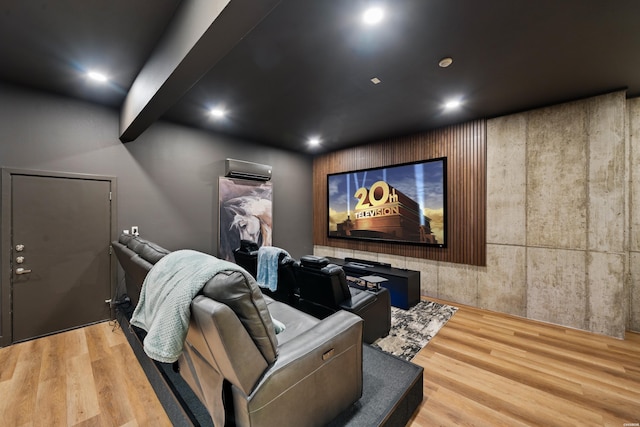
245 214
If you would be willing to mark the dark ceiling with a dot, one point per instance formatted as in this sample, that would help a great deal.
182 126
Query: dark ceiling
305 69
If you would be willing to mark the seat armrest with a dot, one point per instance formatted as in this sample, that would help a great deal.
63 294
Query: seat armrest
341 328
305 354
317 375
358 301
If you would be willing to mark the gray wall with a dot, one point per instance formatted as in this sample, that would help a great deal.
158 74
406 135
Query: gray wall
167 178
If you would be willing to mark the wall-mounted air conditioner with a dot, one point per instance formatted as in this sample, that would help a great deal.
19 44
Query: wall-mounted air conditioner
247 170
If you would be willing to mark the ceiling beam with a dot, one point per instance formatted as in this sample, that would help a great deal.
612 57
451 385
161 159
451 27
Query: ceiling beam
201 33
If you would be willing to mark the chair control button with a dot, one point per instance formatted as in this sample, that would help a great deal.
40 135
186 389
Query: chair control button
328 355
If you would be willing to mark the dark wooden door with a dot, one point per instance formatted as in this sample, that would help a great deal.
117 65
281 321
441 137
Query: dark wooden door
61 231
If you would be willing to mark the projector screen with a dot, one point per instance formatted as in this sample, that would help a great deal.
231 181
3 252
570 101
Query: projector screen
401 203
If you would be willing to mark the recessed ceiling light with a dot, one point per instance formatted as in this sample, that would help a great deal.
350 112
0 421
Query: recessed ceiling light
97 76
218 112
452 104
376 80
373 15
314 141
445 62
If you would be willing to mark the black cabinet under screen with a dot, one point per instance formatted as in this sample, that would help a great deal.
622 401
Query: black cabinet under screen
403 285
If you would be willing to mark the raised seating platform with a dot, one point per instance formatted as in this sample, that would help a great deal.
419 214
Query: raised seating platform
392 388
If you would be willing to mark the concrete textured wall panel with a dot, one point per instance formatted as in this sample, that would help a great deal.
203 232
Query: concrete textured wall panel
397 261
370 256
556 177
605 289
503 287
634 303
343 253
633 106
428 275
459 283
506 180
556 286
606 172
324 251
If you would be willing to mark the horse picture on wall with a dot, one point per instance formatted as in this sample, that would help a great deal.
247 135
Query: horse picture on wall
245 214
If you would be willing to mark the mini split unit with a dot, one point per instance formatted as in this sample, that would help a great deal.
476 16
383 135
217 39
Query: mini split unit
247 170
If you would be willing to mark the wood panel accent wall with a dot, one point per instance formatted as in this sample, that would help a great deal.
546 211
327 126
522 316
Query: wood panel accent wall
464 146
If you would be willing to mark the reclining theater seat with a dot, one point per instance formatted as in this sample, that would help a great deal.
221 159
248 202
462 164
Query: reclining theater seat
246 256
324 290
304 376
136 256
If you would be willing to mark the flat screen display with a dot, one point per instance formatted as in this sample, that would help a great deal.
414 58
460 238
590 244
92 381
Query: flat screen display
401 203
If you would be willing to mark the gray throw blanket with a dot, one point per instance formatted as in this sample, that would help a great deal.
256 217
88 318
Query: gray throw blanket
164 307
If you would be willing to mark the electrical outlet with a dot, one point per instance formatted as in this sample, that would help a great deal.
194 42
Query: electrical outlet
134 230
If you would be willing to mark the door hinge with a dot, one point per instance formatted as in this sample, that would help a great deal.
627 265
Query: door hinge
110 249
109 195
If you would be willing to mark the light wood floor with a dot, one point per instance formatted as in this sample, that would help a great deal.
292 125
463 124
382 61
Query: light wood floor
490 369
482 369
84 377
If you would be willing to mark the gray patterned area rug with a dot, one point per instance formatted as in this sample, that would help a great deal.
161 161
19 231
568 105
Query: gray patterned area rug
412 329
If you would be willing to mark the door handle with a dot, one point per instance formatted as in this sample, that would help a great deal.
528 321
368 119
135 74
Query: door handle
21 270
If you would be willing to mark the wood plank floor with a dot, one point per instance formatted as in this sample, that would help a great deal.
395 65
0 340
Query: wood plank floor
490 369
482 369
84 377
